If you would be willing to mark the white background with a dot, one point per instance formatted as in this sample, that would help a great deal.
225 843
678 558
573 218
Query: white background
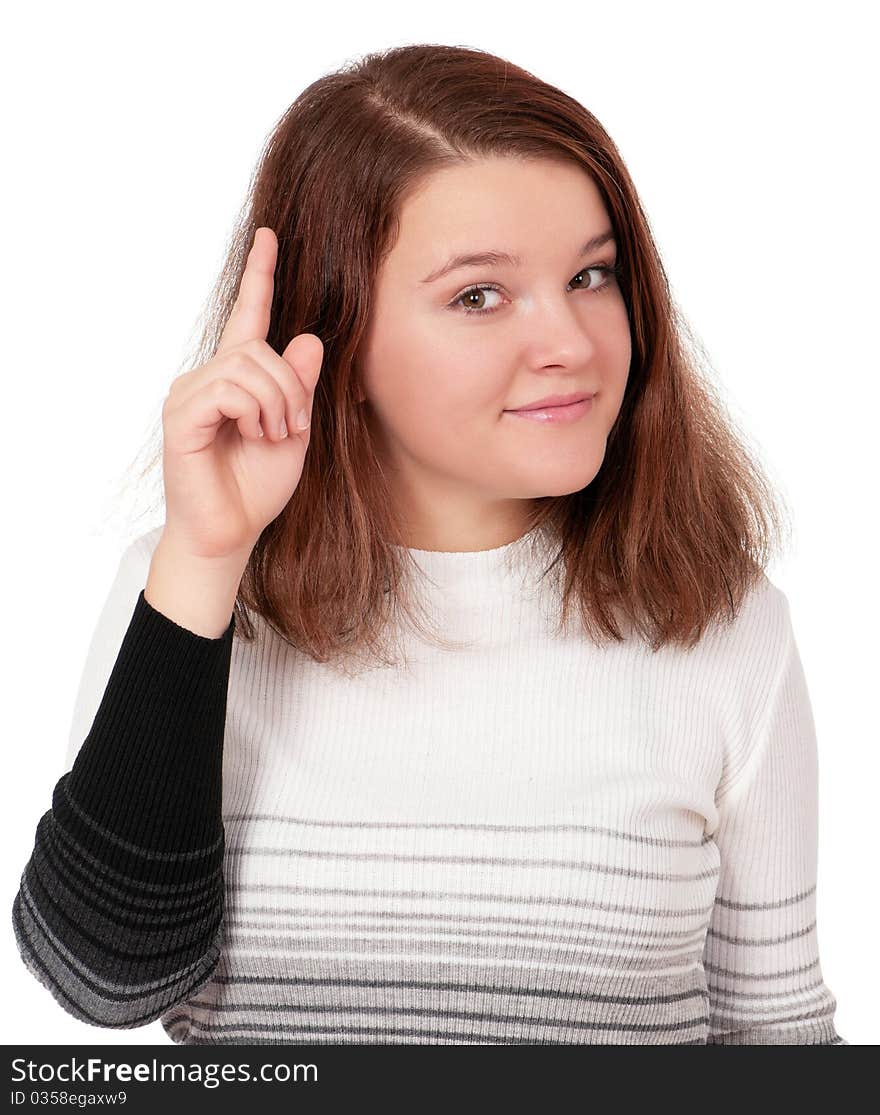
131 132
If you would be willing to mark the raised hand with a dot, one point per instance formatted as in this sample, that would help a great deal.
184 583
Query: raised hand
228 468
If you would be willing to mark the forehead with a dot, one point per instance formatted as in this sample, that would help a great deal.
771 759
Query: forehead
508 204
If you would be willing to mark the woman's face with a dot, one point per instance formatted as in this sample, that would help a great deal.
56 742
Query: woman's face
441 379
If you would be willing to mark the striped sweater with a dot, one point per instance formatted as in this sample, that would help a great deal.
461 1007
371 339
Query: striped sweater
526 839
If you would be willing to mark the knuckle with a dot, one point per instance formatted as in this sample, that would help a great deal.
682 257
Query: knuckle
253 346
237 360
171 396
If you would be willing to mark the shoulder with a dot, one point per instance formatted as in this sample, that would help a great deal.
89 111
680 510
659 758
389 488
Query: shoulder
143 546
758 633
746 658
134 563
742 656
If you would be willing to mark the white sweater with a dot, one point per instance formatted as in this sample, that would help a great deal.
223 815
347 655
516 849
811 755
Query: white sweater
530 841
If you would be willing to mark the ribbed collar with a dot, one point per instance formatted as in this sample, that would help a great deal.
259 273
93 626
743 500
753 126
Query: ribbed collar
462 582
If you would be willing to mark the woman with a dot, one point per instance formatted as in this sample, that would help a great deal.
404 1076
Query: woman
516 745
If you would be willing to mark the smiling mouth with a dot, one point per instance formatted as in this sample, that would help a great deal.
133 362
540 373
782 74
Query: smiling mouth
552 401
556 415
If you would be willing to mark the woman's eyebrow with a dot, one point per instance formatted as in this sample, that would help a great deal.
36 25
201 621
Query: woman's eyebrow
494 258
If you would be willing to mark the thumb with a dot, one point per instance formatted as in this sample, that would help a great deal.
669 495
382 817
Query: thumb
305 354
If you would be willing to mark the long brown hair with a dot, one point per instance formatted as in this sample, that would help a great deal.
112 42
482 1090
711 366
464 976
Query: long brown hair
678 523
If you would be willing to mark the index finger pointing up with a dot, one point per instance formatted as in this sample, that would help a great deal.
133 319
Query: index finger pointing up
251 312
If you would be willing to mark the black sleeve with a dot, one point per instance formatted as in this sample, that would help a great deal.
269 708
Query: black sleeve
120 908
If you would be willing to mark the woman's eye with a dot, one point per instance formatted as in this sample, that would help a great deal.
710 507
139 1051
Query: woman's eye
472 300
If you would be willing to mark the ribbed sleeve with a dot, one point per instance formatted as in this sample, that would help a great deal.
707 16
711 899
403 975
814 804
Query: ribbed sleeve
761 955
120 907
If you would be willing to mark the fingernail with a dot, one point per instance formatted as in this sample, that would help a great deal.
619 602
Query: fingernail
302 420
283 428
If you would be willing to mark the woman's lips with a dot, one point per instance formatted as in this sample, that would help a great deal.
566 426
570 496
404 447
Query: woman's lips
555 415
